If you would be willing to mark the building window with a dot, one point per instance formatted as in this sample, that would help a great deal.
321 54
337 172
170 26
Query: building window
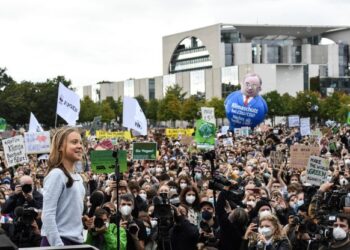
197 80
151 89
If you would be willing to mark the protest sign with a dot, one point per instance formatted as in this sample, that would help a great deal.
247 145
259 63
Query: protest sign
237 131
245 131
305 126
144 151
122 160
276 157
316 172
102 161
205 134
101 134
293 121
208 114
37 142
224 130
176 132
186 140
299 155
14 151
2 124
227 141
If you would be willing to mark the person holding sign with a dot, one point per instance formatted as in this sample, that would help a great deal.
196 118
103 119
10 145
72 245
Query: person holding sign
63 191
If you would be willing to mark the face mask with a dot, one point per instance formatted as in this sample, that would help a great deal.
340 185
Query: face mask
265 231
211 200
6 196
198 176
125 210
154 223
300 203
148 231
143 196
264 213
339 233
159 170
183 185
107 224
343 182
173 190
206 215
190 199
251 203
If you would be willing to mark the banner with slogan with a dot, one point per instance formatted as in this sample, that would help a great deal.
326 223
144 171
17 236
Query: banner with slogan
293 121
37 142
102 161
305 126
316 172
176 132
144 151
208 114
299 155
2 124
101 134
205 134
276 157
14 151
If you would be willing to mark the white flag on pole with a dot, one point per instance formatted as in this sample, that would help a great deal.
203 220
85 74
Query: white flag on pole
133 116
68 104
34 125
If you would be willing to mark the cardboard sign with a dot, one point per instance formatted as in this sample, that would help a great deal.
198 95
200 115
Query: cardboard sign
102 161
293 121
144 151
227 141
276 157
37 142
316 172
186 140
176 132
208 114
300 154
14 151
305 126
224 130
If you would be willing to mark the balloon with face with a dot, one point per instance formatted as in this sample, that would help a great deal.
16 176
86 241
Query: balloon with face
245 107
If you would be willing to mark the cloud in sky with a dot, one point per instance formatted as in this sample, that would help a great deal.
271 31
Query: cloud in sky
88 41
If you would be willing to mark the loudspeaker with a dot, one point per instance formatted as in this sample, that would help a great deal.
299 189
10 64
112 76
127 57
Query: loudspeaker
6 243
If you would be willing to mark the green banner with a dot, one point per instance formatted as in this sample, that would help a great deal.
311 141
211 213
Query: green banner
348 120
205 134
122 160
144 151
102 161
2 124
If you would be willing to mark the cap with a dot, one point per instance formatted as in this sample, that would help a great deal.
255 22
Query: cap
261 203
203 203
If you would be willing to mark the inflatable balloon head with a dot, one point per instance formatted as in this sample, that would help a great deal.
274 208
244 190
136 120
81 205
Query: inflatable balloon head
251 85
245 107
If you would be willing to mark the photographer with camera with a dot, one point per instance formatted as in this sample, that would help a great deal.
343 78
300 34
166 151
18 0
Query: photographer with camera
102 233
136 231
24 196
209 227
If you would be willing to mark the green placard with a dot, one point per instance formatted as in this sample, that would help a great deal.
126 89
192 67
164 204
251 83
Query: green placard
144 151
102 161
205 134
2 124
123 167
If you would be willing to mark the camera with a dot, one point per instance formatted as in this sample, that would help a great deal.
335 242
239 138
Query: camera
205 227
98 222
27 188
133 228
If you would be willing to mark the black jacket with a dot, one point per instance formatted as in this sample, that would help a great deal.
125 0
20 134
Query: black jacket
184 235
276 245
18 200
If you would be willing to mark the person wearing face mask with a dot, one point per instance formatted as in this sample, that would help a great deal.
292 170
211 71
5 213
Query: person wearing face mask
183 182
24 195
209 227
102 233
190 197
269 235
136 231
341 240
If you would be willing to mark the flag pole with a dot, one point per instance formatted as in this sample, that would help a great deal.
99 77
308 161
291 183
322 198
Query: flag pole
56 120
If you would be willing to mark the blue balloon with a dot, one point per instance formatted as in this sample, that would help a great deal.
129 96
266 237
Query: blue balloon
241 115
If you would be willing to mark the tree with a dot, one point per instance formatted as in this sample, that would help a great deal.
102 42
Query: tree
169 108
218 105
287 103
190 108
176 90
142 102
5 79
106 112
152 110
88 110
275 104
304 102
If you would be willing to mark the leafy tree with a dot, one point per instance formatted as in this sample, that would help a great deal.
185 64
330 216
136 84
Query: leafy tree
287 103
88 110
274 103
176 90
5 79
169 108
190 108
329 106
106 111
218 105
152 110
142 102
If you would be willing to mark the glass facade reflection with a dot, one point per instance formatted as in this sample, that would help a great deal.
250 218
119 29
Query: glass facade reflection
197 83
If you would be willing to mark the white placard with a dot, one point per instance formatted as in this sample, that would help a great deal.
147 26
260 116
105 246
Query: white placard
14 151
227 141
293 121
208 114
37 142
316 172
305 126
224 130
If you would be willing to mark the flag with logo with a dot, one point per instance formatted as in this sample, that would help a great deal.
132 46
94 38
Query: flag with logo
68 104
34 125
205 134
133 116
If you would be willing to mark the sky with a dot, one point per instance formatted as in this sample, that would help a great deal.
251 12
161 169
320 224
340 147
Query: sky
89 41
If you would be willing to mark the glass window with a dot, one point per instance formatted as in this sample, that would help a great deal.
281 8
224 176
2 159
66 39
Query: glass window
197 82
151 89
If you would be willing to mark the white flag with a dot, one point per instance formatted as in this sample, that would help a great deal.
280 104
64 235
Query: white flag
68 104
133 116
34 125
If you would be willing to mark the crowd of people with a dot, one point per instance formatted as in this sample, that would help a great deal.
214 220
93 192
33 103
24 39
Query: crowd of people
233 197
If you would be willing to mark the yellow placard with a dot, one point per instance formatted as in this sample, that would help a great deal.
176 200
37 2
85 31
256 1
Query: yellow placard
176 132
101 134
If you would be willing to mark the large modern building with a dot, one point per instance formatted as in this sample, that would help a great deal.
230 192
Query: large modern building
210 60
